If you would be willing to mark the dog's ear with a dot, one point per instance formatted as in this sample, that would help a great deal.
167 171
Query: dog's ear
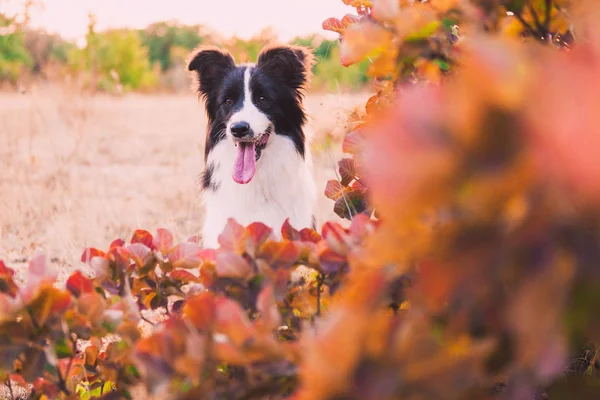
209 65
289 63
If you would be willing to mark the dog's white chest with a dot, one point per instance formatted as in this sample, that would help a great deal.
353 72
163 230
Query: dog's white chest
283 187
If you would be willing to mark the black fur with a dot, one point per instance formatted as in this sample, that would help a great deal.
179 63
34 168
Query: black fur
207 178
279 78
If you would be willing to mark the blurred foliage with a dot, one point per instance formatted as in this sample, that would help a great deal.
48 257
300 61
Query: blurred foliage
114 59
163 38
155 59
14 57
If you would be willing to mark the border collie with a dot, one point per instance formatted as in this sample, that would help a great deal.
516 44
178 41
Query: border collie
258 166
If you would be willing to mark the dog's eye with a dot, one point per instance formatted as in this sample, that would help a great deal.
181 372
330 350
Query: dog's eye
263 99
228 102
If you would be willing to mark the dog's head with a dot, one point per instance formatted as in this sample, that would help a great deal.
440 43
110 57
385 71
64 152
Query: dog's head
248 103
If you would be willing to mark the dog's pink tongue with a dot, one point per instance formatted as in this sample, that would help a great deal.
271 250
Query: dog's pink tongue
245 163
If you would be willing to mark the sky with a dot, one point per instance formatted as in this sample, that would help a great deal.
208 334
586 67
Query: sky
242 18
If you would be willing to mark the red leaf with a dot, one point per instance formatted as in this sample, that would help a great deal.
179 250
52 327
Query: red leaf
361 227
331 261
117 243
78 284
7 283
231 320
347 171
139 253
90 253
233 237
280 254
119 255
359 186
334 25
288 232
336 237
350 19
333 190
310 235
354 142
183 276
185 255
259 233
163 241
266 305
144 237
231 265
200 310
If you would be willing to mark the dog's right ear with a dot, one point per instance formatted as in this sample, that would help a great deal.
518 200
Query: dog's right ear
209 65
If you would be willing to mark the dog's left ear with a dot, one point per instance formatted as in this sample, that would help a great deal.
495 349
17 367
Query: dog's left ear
291 64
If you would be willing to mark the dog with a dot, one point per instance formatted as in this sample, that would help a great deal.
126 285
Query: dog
258 165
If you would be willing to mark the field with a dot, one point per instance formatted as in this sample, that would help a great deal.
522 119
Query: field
80 170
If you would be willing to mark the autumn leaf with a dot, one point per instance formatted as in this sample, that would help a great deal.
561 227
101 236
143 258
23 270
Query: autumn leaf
334 25
233 237
363 39
334 190
7 284
347 171
185 255
288 232
231 265
77 284
267 307
183 276
163 240
144 237
90 253
200 310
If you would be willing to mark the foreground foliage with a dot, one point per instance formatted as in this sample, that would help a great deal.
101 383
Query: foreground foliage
469 269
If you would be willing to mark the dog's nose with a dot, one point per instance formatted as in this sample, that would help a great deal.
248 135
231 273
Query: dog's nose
240 129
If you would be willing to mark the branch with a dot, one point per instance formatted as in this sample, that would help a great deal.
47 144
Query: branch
526 25
536 19
547 16
10 389
320 280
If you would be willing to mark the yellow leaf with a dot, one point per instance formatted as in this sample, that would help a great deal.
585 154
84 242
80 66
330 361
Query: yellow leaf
363 39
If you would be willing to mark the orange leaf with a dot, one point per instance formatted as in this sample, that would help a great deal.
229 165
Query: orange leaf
183 276
144 237
258 233
333 190
231 320
185 255
280 254
90 253
334 25
288 232
266 305
78 284
233 237
163 241
231 265
363 39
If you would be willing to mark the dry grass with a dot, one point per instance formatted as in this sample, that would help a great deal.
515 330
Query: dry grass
79 170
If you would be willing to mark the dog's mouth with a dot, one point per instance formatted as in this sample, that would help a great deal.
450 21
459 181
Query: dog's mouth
248 153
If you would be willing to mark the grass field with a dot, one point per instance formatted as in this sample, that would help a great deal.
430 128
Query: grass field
79 170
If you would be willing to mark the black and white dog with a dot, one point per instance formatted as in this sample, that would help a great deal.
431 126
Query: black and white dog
258 166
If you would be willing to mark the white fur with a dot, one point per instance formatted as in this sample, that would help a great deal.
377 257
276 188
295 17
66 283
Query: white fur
249 112
282 187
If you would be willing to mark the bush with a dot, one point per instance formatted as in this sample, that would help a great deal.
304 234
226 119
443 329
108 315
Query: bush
14 57
114 59
162 38
477 280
